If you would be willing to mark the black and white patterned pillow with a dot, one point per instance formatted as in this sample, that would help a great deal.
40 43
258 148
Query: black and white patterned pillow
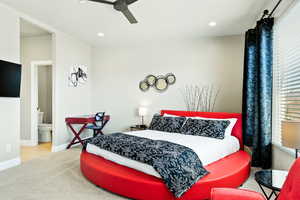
167 124
208 128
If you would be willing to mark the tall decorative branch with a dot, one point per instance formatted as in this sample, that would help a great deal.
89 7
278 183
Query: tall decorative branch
200 98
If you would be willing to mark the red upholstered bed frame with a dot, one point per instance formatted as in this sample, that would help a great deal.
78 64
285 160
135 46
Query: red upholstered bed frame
231 171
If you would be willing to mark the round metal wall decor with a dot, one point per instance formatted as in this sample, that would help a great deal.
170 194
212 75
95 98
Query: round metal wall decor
151 79
144 86
161 83
171 79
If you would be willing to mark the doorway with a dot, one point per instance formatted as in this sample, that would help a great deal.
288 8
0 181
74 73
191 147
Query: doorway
41 104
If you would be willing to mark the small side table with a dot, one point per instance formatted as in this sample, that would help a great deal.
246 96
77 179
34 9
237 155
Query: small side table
138 128
83 121
271 179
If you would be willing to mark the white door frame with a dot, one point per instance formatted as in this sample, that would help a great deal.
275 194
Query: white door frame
34 97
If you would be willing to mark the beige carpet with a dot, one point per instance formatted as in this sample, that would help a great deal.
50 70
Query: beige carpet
56 177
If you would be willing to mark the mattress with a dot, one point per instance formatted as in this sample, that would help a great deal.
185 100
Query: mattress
208 149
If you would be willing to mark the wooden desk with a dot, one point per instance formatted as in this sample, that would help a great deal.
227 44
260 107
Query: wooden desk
83 120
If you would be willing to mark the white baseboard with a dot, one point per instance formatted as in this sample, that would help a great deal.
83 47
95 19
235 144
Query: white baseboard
10 163
28 143
59 148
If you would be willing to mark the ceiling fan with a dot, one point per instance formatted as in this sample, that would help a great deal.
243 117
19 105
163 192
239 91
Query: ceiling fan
122 6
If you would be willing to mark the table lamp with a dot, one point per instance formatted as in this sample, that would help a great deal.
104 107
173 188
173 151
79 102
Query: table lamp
291 135
142 114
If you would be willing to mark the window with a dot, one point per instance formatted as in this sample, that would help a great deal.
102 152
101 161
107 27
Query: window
286 90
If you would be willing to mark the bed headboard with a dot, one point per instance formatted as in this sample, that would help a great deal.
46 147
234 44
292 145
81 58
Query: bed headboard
236 131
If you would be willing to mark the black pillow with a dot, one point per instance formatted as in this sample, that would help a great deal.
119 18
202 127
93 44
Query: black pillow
167 124
208 128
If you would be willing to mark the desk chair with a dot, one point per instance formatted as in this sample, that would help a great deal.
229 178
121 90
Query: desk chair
98 125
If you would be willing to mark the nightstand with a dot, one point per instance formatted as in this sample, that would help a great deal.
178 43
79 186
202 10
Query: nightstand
138 128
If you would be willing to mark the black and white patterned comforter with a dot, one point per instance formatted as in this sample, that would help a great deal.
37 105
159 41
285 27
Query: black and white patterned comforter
179 166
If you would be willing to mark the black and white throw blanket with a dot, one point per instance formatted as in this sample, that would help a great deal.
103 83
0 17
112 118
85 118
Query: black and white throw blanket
179 166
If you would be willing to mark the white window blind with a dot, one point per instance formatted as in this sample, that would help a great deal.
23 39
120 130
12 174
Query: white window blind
286 87
290 87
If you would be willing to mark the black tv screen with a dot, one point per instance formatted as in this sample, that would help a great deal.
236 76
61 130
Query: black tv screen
10 79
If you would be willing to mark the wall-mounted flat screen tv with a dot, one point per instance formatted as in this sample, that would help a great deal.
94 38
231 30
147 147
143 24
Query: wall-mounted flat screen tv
10 79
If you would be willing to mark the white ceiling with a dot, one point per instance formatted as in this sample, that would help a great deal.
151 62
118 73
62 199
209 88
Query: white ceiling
158 19
30 30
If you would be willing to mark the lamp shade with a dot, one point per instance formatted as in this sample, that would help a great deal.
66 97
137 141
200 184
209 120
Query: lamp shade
142 111
291 134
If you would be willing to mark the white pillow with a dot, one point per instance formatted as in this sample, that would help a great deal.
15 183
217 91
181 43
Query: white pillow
228 130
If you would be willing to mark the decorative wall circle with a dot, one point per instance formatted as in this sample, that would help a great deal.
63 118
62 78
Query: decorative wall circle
161 83
171 79
144 86
151 79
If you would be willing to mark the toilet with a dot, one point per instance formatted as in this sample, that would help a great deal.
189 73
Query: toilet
45 130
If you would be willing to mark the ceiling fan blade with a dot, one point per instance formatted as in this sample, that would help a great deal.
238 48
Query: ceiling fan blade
103 1
128 2
129 16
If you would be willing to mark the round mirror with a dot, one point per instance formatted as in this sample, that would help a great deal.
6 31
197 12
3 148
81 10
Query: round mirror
144 86
161 83
171 79
151 79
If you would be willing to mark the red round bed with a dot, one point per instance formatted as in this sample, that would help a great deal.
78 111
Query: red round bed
231 171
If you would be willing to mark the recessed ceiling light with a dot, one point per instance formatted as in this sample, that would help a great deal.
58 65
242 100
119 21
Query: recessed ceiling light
212 24
100 34
82 1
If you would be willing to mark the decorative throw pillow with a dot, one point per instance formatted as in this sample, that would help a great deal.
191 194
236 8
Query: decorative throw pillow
207 128
229 128
167 124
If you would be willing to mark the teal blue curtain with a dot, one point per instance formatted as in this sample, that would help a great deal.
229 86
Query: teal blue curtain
257 92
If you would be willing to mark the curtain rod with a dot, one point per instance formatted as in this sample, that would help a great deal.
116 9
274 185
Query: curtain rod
275 8
266 12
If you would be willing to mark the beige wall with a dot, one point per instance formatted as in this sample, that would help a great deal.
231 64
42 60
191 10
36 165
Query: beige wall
282 158
68 101
9 107
116 74
37 48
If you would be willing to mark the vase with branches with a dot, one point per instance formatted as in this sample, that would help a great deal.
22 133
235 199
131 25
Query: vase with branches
200 97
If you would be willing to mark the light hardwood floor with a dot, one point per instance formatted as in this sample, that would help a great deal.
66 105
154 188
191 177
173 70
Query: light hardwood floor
30 153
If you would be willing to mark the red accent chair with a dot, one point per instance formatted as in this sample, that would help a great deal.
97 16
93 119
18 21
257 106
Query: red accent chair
290 189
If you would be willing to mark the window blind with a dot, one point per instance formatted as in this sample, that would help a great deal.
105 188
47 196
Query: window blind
290 87
286 71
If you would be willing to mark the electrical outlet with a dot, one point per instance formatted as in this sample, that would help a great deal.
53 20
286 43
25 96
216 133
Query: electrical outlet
8 148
